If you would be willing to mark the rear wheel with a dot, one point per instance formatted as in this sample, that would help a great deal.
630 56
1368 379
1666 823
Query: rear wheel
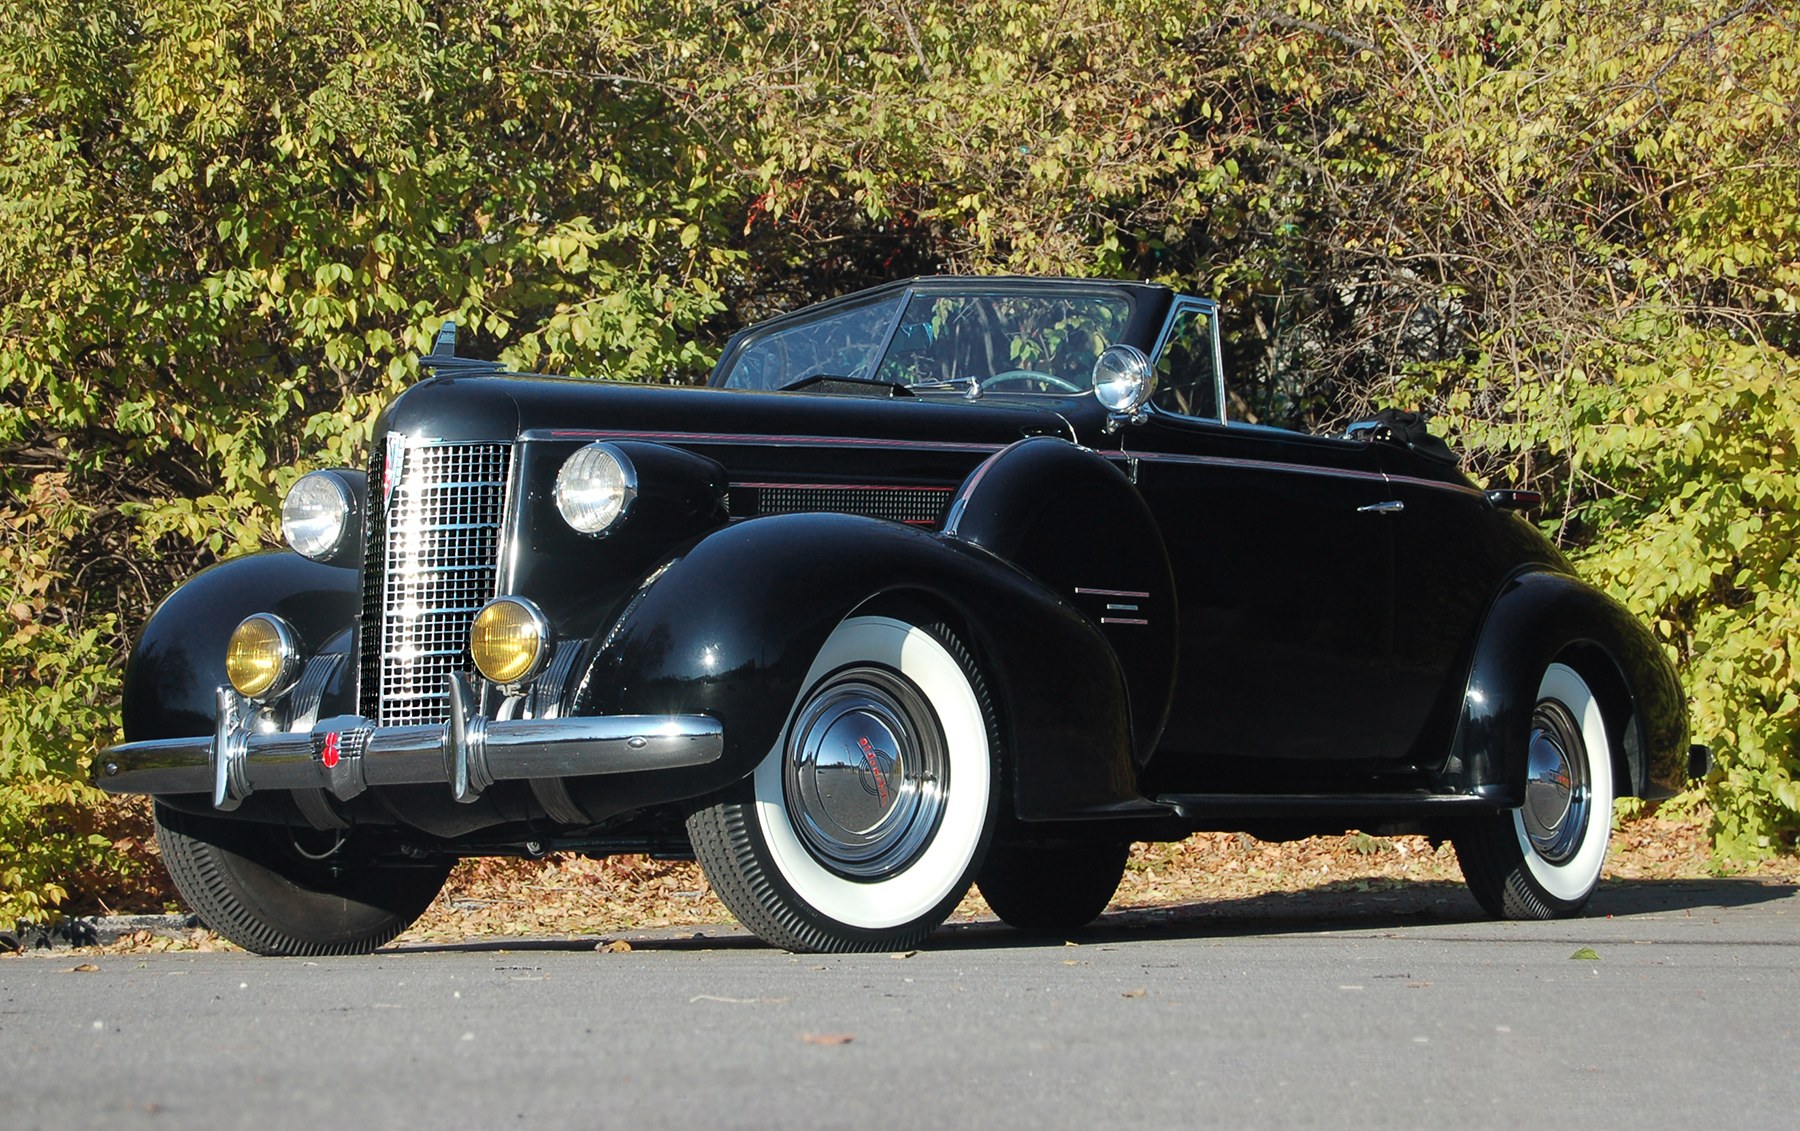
274 890
1052 886
1543 860
862 828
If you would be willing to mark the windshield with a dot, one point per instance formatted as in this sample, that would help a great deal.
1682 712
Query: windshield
1029 343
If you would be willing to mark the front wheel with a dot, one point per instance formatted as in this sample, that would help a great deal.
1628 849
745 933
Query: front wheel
863 827
274 891
1543 860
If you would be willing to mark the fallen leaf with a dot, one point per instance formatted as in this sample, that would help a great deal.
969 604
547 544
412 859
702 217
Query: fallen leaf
902 954
84 968
1587 953
827 1038
614 946
1140 992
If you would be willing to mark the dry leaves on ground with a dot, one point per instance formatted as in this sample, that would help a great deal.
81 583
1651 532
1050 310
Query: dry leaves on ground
573 895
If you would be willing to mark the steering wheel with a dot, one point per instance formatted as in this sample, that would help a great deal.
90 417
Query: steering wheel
1021 376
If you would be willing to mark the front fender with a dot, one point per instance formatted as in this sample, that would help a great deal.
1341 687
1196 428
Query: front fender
1539 618
730 628
179 658
1071 519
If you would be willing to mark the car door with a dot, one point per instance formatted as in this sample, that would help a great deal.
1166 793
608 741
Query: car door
1283 553
1283 560
1452 551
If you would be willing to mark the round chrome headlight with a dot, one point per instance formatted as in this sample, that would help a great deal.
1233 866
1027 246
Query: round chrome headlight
318 515
262 658
1123 379
510 640
595 488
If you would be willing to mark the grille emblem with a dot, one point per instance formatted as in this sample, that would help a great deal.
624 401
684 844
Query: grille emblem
392 467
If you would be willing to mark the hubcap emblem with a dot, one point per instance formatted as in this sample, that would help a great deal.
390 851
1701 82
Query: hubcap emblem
881 764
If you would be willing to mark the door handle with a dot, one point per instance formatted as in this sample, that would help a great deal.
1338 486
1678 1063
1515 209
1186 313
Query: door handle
1392 506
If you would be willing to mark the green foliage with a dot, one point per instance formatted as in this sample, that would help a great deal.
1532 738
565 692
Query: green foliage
56 683
1647 213
227 226
1675 452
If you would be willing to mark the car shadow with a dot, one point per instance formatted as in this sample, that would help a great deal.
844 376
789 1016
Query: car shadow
1346 907
1338 906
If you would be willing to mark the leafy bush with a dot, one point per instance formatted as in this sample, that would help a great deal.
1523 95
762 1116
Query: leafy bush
57 681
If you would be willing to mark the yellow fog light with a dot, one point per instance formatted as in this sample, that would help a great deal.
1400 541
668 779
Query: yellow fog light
262 658
510 640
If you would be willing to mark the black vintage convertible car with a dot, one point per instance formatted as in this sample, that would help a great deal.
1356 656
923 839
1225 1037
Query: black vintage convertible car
954 580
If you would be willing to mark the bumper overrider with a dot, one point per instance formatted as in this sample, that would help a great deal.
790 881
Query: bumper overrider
347 754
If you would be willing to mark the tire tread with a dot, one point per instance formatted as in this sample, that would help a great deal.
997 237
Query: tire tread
205 873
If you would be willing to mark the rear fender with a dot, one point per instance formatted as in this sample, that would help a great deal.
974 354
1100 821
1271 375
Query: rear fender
1540 618
179 659
730 628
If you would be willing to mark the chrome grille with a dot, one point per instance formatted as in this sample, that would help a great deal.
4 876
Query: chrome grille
431 565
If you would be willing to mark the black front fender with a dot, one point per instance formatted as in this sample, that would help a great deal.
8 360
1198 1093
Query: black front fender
731 627
1073 521
179 658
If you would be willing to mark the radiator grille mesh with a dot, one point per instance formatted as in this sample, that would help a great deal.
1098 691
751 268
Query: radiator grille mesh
431 565
917 506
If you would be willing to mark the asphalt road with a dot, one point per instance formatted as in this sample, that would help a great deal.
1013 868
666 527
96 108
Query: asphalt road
1383 1011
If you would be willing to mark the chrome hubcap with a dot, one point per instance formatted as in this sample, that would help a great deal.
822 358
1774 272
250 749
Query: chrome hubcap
1558 798
866 773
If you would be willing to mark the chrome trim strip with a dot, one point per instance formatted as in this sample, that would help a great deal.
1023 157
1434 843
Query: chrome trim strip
761 440
309 693
1299 469
1414 481
1113 593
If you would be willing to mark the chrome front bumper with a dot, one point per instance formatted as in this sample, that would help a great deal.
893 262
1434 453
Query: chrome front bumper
348 754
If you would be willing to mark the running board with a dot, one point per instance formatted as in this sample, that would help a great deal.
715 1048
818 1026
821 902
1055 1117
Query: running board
1197 806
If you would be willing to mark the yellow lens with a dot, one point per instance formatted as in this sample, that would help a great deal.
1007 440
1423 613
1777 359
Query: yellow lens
505 641
256 656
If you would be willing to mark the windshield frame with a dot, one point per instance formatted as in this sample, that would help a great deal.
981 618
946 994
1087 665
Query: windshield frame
1147 308
1210 307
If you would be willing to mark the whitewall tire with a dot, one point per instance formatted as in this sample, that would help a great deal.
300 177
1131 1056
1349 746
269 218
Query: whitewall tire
1544 859
864 825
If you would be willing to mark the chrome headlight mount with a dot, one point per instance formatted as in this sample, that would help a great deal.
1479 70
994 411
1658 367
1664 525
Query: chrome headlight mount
1124 379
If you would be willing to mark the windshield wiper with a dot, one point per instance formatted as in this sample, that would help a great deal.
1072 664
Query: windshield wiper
822 382
969 387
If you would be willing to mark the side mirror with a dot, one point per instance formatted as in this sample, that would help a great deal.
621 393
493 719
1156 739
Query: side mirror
1123 382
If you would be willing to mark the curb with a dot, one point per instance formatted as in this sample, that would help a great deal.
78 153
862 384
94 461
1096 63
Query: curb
94 930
